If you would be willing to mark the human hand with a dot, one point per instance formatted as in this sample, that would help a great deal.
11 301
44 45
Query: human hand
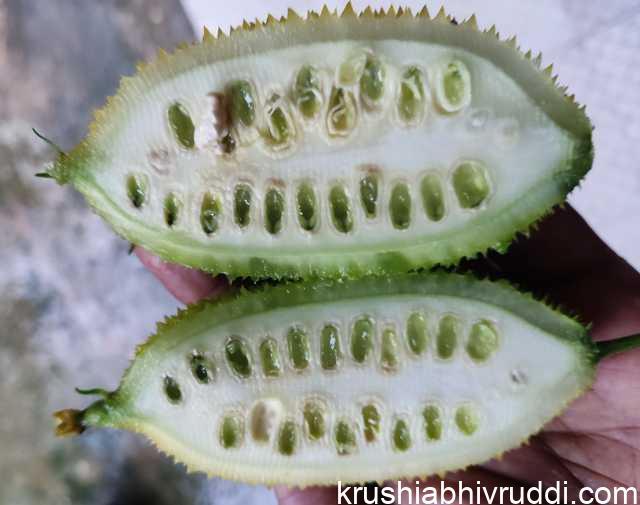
596 442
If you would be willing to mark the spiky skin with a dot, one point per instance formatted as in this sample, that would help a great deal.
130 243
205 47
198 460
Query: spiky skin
355 253
541 361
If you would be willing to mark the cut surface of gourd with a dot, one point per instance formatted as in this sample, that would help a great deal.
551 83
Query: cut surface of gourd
362 380
332 145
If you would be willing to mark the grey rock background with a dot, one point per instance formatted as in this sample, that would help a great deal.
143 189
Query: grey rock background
73 304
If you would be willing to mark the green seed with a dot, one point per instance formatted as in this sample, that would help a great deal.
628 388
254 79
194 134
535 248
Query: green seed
307 205
345 438
471 184
279 127
307 92
389 356
340 209
467 419
172 390
400 206
483 341
238 358
372 80
201 368
369 194
136 190
210 212
411 101
314 420
181 124
329 347
270 358
298 345
455 83
371 421
342 115
447 339
401 435
171 209
242 207
243 107
273 210
287 438
432 422
417 336
432 197
362 339
232 431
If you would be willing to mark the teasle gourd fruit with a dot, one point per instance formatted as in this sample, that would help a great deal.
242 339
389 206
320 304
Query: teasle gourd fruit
359 380
337 145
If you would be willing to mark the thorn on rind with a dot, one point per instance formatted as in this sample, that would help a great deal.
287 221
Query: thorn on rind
131 249
44 175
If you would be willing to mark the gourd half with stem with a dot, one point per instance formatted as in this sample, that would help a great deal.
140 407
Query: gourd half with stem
336 145
359 380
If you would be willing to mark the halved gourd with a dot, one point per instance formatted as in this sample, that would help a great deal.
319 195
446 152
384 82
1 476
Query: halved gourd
362 380
335 145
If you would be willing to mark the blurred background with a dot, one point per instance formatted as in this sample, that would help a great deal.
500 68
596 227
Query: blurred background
73 304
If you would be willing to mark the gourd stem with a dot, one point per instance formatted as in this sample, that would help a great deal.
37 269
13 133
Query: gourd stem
618 345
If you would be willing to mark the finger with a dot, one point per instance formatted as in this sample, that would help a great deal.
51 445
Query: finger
315 495
186 284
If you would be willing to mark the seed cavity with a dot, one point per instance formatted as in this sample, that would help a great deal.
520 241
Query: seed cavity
137 190
307 207
432 422
273 210
298 345
351 69
307 92
453 88
345 438
181 124
400 206
172 390
411 103
362 339
432 197
242 205
369 194
280 129
341 213
471 184
232 431
270 358
447 339
417 335
342 114
243 106
372 81
330 352
483 341
171 209
265 418
314 419
287 438
210 214
238 358
202 368
401 435
389 358
371 422
467 419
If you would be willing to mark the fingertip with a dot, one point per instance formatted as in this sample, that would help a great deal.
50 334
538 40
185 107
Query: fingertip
186 284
